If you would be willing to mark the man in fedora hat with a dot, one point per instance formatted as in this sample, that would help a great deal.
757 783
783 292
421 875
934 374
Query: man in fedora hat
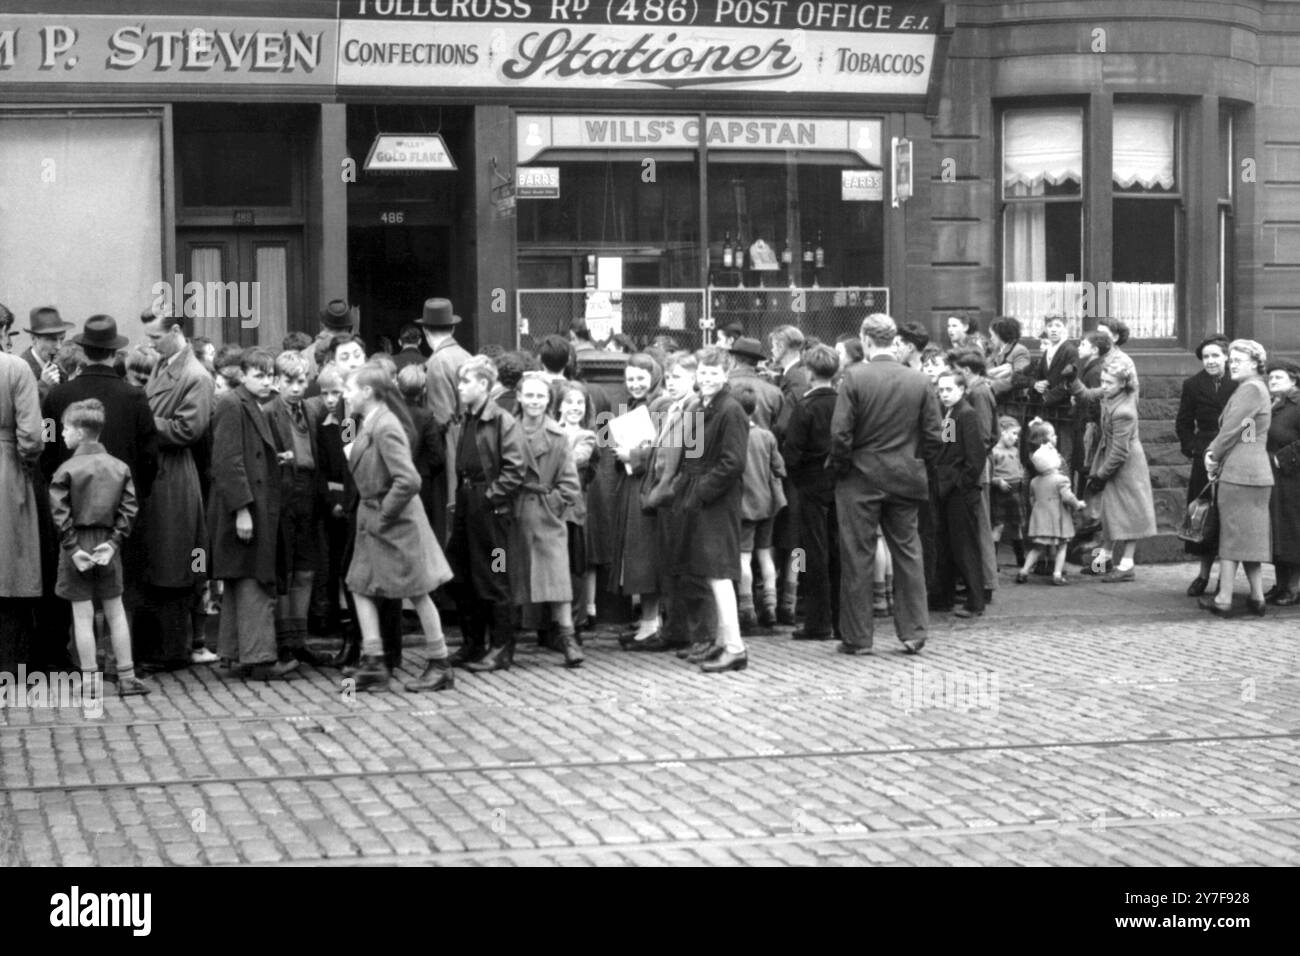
442 396
129 433
47 330
746 353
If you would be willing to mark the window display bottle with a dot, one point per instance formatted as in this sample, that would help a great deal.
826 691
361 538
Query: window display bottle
739 257
787 257
819 256
727 254
807 252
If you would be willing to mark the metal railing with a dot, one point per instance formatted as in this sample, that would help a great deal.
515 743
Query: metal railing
691 316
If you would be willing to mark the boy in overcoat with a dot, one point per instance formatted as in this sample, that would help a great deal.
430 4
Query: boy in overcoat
489 462
244 515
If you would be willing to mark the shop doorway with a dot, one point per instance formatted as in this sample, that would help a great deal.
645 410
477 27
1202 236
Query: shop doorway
392 270
250 282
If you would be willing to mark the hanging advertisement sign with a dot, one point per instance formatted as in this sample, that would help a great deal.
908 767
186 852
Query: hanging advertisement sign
902 155
862 185
408 153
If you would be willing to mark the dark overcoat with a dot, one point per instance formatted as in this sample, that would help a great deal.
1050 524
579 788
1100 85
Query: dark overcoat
539 536
245 474
1199 407
635 556
129 433
172 522
710 488
1284 453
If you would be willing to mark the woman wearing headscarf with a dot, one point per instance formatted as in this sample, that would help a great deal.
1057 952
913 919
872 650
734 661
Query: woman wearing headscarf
635 567
1009 360
1203 397
1238 456
1284 504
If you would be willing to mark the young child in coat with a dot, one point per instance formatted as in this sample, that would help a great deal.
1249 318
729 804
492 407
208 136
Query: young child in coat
92 502
1050 524
1008 481
763 499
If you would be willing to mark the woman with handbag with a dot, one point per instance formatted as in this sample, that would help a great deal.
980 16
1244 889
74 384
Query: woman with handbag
1284 503
1199 406
1238 456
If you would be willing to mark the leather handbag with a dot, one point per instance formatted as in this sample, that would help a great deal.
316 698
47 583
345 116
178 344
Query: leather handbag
1201 522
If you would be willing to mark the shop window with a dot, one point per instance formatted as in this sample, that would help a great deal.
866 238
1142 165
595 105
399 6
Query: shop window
790 214
608 207
1144 226
1042 220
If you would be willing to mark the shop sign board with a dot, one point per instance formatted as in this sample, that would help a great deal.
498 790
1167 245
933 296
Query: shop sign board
862 185
537 182
788 46
408 153
538 132
194 49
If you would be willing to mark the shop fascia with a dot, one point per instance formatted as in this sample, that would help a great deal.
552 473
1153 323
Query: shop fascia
540 132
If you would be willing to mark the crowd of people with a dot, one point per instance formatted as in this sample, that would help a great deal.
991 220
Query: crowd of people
319 489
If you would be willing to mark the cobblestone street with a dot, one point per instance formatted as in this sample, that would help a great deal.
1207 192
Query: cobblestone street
1091 725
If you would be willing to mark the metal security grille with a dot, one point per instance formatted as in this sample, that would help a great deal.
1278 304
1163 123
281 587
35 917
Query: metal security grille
690 316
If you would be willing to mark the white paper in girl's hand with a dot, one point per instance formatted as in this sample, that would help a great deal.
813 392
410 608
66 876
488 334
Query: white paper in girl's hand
632 430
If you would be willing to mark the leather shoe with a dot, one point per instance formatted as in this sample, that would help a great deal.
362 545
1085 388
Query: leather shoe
467 654
1272 592
1287 598
1214 607
1257 608
1198 586
1117 576
785 616
709 653
843 648
497 659
913 647
652 643
693 649
726 661
438 675
803 634
309 657
967 612
568 641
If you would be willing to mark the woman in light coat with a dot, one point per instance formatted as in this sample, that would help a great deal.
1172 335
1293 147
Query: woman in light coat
539 536
21 443
1118 479
1238 457
396 554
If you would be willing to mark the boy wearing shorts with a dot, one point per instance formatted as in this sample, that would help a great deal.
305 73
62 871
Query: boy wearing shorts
92 501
